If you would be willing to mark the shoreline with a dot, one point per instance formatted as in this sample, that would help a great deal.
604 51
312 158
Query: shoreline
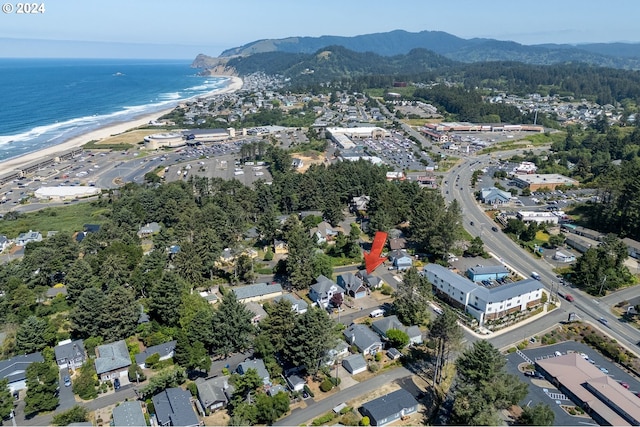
106 131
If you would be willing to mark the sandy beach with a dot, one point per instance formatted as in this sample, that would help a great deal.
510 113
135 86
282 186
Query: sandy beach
107 131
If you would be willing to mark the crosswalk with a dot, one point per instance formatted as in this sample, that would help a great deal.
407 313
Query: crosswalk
557 396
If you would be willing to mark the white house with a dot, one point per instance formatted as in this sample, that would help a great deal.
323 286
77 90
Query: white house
323 290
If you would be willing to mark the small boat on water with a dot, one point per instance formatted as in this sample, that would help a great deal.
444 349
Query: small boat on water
118 74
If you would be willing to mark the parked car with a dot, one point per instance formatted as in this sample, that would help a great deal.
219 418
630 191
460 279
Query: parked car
116 384
67 381
494 228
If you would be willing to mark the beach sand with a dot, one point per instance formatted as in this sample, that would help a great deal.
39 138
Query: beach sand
105 132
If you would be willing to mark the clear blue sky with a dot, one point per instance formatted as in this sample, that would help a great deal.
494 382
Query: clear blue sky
184 28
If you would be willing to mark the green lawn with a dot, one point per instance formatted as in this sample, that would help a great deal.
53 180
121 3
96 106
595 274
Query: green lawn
65 218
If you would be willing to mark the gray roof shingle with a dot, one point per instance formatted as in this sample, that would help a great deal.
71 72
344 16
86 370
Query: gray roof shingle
173 407
112 356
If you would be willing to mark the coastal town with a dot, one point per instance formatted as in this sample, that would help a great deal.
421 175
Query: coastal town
222 328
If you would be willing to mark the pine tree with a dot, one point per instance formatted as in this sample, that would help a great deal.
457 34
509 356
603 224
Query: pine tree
42 383
232 328
412 298
165 299
6 399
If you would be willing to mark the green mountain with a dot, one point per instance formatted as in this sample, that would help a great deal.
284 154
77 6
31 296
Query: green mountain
398 42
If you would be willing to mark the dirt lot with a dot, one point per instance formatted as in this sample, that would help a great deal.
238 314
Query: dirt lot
308 160
130 137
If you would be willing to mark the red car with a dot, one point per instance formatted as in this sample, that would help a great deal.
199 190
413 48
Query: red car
623 384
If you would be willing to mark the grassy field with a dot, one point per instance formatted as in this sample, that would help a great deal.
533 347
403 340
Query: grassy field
65 218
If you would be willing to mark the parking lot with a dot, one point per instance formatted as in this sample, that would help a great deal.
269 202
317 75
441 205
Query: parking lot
541 391
398 152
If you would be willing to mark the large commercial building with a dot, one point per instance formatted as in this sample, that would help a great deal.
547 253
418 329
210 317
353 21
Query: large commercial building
538 217
483 303
160 140
601 396
66 192
550 181
343 137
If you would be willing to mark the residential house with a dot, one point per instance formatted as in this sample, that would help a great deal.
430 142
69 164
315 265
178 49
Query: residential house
340 351
112 360
227 256
354 364
401 259
323 290
257 292
174 408
295 382
258 312
383 325
165 351
373 282
56 290
479 301
298 305
31 236
323 232
4 243
14 370
494 196
360 203
148 230
280 247
274 389
256 364
397 243
365 340
352 285
489 272
297 163
214 393
390 407
128 414
211 297
70 354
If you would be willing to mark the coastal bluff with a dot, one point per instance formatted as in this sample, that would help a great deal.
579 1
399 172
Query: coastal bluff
213 66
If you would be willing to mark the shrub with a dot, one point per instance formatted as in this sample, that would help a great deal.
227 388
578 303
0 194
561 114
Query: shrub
373 367
308 390
349 419
193 388
345 410
323 419
378 356
152 360
386 289
365 421
511 350
326 385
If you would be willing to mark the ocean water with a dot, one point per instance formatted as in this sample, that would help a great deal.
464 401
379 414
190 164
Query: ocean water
44 102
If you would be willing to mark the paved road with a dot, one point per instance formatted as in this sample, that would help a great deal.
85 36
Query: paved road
316 409
585 306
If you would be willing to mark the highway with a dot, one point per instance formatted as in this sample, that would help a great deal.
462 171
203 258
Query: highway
458 186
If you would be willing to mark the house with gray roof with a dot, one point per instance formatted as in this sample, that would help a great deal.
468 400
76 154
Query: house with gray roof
633 247
129 414
323 290
382 326
352 285
165 351
4 243
28 237
400 259
295 382
14 370
257 292
258 312
149 230
373 282
390 407
365 340
479 301
298 305
214 393
70 354
112 360
323 232
174 408
256 364
354 364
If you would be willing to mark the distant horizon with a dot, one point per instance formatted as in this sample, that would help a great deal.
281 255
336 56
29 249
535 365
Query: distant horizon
181 30
157 47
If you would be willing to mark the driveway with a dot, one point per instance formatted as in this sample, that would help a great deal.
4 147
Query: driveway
66 397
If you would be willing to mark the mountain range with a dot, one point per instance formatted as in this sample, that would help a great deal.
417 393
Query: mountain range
400 42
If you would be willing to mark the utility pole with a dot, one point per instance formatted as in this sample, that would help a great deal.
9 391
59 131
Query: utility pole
602 285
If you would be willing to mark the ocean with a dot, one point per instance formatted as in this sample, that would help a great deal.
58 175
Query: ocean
45 102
